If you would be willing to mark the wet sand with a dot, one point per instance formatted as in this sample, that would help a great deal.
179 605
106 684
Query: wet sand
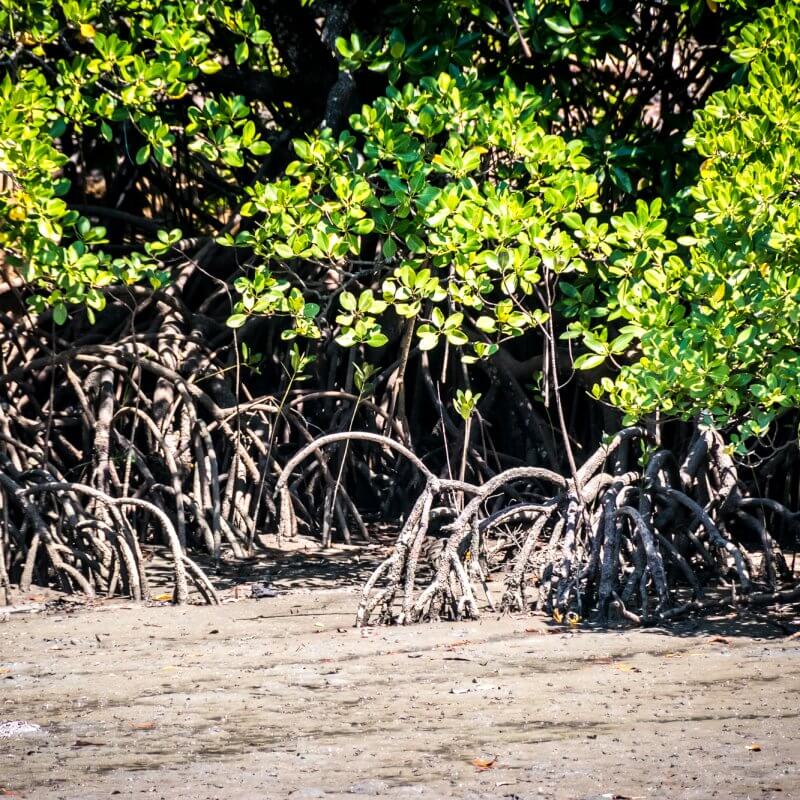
281 697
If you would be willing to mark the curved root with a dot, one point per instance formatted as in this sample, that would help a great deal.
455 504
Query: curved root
602 550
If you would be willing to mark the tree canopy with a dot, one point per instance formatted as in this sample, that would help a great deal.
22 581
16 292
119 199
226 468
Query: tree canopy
474 169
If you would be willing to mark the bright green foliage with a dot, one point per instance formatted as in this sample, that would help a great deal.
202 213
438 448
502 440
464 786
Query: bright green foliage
721 334
466 402
453 193
123 70
467 205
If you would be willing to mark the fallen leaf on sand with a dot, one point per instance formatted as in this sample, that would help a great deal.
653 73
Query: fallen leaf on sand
163 598
7 792
482 764
459 643
718 639
143 726
623 666
754 747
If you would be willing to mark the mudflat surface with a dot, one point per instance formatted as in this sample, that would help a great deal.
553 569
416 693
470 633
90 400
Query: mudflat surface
281 697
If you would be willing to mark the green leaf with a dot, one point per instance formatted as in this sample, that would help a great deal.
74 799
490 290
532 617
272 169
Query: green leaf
302 148
435 220
744 55
282 250
209 67
142 154
428 341
559 24
457 337
364 226
241 53
414 243
588 361
622 179
236 320
259 148
389 248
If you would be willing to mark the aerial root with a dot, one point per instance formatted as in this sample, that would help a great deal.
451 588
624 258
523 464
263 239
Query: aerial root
631 542
108 451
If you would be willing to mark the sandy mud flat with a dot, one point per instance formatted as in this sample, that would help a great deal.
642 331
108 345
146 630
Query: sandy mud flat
282 698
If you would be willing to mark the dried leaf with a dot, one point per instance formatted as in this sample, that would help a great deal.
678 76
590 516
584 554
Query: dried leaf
623 666
482 764
162 598
754 747
459 643
143 726
718 639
